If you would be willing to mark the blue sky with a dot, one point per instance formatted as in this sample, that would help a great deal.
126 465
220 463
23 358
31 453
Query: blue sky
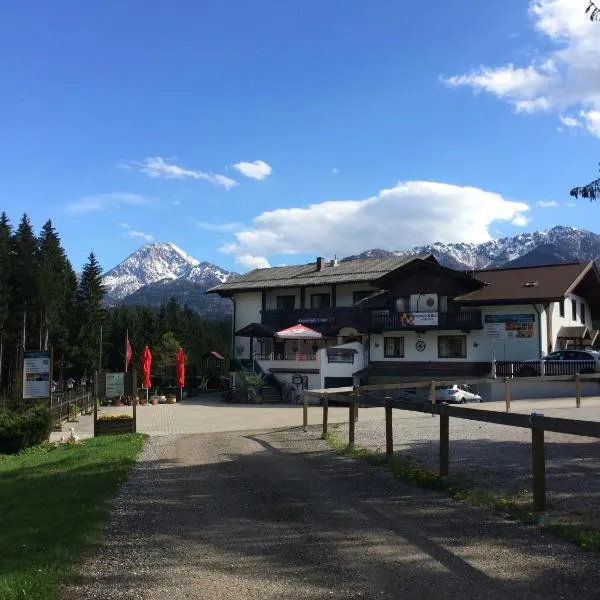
255 132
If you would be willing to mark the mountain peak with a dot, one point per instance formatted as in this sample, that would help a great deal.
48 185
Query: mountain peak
157 262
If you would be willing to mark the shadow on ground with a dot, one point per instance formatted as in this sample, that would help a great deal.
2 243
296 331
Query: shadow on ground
276 515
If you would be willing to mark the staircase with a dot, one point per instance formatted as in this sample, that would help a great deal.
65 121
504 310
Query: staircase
270 394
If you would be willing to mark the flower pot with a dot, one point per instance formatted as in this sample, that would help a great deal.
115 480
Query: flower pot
117 402
154 400
171 399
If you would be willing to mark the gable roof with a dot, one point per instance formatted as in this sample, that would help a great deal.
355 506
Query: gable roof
529 284
365 270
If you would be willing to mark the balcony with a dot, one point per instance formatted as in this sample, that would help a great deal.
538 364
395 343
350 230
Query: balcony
322 318
459 320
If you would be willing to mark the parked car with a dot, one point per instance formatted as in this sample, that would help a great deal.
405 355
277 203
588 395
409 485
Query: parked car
456 394
565 362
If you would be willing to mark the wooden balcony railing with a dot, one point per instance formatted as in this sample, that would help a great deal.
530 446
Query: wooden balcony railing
459 320
347 316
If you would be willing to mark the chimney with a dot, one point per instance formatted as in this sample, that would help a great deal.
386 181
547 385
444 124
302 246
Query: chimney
320 263
334 262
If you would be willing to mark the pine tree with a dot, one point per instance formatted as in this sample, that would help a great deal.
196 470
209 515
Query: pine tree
24 305
53 270
5 287
91 315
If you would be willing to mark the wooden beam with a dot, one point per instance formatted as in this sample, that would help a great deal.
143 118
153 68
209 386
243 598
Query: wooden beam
539 469
578 390
304 411
507 393
325 415
351 426
444 444
389 429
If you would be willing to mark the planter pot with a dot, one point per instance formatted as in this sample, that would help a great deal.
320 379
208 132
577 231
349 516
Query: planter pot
171 400
113 426
117 402
154 400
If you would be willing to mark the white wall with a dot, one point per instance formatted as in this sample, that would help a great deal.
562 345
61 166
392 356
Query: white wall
567 321
247 310
345 292
328 369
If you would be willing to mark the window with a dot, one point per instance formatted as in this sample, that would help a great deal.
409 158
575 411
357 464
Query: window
582 312
562 307
286 302
393 347
340 357
357 296
452 346
320 301
574 310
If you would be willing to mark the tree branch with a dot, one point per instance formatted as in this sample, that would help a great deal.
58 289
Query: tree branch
593 11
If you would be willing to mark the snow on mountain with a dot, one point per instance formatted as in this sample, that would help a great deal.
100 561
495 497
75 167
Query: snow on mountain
557 244
158 262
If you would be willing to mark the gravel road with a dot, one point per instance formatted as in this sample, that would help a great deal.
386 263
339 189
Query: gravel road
275 515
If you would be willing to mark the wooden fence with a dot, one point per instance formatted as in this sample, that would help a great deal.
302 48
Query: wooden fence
538 423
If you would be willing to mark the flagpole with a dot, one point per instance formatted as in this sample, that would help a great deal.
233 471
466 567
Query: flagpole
100 352
126 347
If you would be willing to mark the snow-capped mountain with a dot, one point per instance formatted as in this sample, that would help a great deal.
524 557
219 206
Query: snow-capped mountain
552 245
159 263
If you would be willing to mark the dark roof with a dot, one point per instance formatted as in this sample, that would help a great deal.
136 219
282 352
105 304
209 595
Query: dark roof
529 284
366 270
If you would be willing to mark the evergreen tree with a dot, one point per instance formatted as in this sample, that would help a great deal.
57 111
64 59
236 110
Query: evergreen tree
5 286
23 281
53 271
90 314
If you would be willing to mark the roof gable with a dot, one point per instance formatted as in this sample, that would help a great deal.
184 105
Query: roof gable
365 270
531 284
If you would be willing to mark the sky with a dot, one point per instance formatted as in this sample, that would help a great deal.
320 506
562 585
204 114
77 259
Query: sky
259 132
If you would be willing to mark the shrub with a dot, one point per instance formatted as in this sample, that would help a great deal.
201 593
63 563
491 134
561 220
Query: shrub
19 430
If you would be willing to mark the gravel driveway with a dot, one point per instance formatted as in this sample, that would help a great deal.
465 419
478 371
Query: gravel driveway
275 515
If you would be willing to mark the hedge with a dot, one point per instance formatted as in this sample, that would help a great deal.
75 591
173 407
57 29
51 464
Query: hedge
19 430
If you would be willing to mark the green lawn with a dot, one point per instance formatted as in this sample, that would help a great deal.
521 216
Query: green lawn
52 508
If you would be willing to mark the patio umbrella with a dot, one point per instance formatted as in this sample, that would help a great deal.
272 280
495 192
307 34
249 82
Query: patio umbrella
146 364
299 332
180 369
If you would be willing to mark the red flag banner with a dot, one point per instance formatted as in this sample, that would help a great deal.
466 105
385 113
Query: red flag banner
180 369
146 365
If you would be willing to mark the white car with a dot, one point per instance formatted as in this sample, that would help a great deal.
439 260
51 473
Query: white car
456 394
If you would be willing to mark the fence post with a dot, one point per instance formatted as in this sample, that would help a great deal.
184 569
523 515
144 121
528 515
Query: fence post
432 392
134 403
389 430
507 392
356 394
539 468
511 369
542 367
304 411
351 426
95 415
577 390
444 443
325 415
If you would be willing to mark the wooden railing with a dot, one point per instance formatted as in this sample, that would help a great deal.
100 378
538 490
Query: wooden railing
314 317
456 320
538 423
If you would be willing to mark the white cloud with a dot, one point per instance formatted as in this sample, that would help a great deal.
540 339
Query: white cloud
570 204
96 202
132 233
568 77
568 121
155 166
520 220
252 262
219 227
258 169
409 214
335 171
547 203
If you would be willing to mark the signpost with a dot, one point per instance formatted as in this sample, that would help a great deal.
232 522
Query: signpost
115 385
37 366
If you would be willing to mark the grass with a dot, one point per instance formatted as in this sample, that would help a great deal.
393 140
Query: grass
53 504
463 490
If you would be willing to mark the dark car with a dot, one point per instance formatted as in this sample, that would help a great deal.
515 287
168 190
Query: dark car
565 362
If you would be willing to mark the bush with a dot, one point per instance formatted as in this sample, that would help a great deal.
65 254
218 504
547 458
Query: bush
19 430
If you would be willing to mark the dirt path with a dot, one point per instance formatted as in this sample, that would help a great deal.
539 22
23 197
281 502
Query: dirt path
276 516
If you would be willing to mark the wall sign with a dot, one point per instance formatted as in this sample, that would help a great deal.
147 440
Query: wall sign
420 345
513 325
424 319
36 374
